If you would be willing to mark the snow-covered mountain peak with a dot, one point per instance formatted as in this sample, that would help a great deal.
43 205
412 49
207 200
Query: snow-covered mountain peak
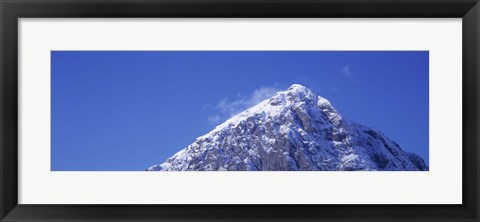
298 92
298 88
296 97
295 129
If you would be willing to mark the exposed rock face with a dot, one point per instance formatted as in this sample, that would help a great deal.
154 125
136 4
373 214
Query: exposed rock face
293 130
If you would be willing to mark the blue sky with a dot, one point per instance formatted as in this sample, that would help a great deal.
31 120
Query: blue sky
128 110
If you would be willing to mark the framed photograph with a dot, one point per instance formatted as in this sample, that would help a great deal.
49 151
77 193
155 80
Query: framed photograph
276 110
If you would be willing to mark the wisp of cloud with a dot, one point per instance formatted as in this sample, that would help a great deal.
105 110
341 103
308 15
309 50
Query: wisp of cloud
228 108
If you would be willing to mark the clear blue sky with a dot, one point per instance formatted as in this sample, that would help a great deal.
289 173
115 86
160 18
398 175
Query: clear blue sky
128 110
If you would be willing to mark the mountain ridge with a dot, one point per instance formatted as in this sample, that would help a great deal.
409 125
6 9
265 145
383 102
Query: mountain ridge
295 129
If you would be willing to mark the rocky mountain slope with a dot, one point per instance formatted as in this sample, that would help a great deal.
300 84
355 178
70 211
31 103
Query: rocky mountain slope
293 130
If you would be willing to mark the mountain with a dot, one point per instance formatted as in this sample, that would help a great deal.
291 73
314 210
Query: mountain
293 130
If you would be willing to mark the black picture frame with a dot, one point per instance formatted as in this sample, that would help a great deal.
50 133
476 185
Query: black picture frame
12 10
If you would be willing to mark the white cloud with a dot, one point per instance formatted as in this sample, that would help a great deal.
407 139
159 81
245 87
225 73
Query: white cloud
261 94
228 108
346 71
